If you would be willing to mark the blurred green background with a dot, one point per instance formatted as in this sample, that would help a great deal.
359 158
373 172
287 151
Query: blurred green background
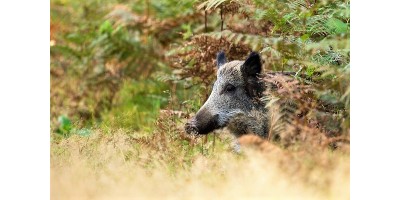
108 62
116 63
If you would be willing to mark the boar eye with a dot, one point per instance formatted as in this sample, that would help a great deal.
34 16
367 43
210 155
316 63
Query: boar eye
229 88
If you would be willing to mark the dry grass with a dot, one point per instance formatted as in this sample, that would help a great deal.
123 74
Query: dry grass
122 166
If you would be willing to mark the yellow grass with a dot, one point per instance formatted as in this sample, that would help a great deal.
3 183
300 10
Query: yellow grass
115 166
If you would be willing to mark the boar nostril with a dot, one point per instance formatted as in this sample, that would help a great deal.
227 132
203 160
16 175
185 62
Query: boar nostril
190 128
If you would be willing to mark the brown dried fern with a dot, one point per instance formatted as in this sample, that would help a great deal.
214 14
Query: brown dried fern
296 113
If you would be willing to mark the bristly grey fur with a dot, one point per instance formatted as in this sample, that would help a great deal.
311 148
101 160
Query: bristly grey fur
233 102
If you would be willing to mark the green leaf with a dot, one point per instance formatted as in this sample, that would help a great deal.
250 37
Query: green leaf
188 31
310 71
106 27
305 37
288 17
65 125
336 26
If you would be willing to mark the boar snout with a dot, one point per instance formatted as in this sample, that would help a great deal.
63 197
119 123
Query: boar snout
202 123
191 128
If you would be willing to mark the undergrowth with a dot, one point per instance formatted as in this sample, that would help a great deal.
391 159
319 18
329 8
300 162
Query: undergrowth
126 76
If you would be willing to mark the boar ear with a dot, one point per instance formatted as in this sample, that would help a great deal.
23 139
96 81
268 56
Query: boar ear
252 65
221 59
